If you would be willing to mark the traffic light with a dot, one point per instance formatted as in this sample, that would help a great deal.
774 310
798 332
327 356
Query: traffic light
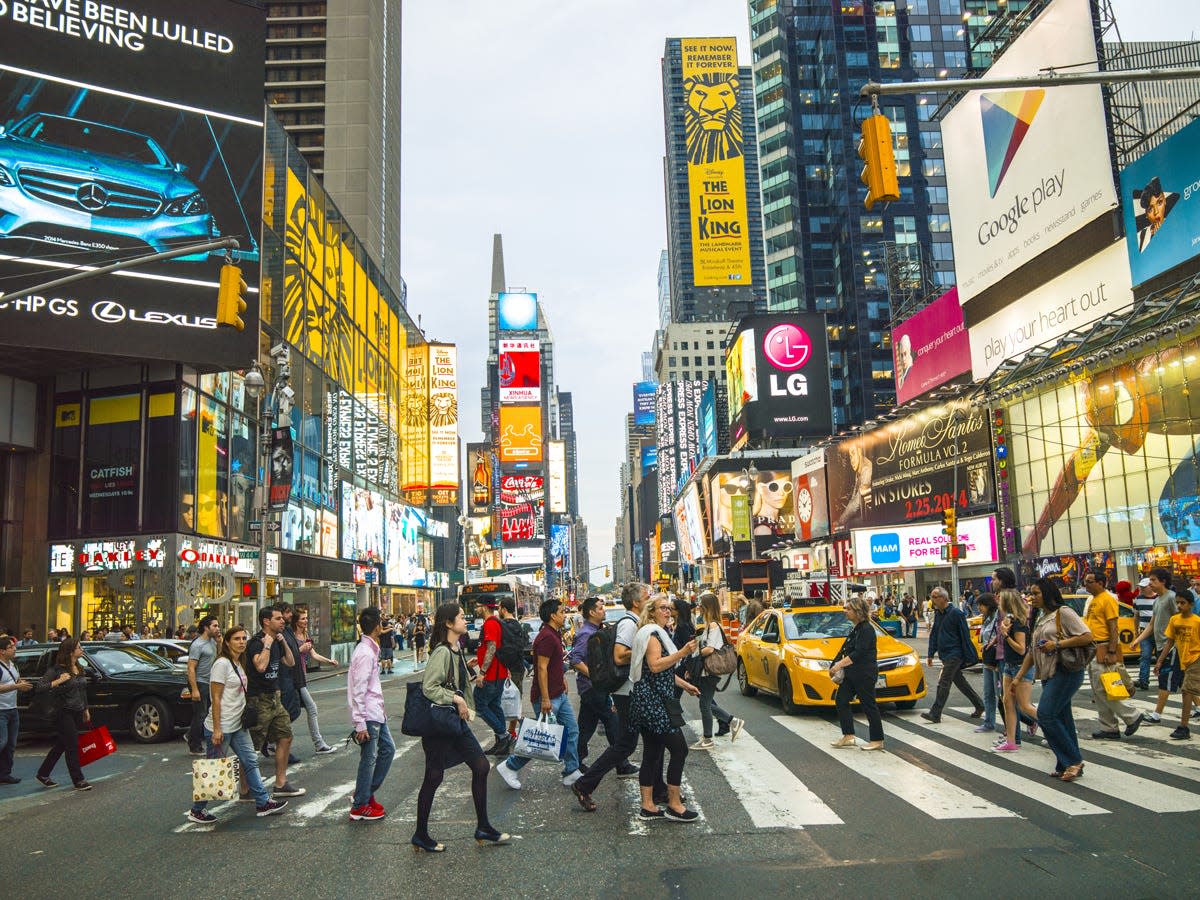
231 294
879 171
950 524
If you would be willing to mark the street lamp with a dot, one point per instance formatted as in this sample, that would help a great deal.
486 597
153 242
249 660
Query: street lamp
463 524
751 481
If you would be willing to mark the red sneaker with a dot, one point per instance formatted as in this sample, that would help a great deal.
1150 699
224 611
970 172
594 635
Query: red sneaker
366 812
376 805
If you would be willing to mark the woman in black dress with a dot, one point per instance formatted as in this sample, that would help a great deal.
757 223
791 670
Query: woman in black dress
858 661
448 682
66 686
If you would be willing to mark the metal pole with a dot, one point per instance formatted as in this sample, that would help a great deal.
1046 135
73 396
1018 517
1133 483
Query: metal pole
1050 79
262 511
954 534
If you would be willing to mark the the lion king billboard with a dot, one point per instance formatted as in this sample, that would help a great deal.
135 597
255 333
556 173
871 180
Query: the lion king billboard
716 164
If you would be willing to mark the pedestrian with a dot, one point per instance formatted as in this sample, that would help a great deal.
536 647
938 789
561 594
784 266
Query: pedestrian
113 633
387 646
710 640
1101 618
11 684
66 688
515 641
1058 684
307 652
28 640
446 683
1003 578
1143 605
494 675
267 654
365 698
291 678
950 640
1183 644
1012 644
224 730
126 633
858 662
1155 631
988 641
595 706
201 654
417 633
548 693
656 712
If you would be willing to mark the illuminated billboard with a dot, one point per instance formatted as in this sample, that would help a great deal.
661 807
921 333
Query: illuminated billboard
517 312
741 373
520 365
643 402
403 540
520 434
414 424
778 370
770 508
810 496
931 348
557 453
689 525
443 423
716 162
560 550
521 507
920 546
479 467
677 433
363 535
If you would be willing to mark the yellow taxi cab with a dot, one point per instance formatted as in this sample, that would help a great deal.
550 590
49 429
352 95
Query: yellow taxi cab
1127 628
788 652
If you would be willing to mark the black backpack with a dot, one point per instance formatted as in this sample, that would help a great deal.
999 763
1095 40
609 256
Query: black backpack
513 642
604 673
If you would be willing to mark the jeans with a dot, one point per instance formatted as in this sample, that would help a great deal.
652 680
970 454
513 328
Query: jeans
10 727
862 686
243 748
195 734
596 709
66 740
910 627
375 758
1054 715
991 691
314 727
708 705
560 706
952 673
1146 662
487 704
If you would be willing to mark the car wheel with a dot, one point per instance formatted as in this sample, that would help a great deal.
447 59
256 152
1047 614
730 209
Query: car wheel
906 704
790 706
744 681
151 720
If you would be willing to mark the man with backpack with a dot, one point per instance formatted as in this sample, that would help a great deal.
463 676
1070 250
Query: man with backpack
514 644
595 706
491 685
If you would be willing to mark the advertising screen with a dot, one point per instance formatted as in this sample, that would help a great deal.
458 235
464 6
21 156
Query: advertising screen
128 131
906 470
786 358
520 371
689 525
649 458
557 452
810 493
520 434
677 434
523 556
522 504
362 524
771 510
560 550
479 465
708 423
403 559
930 349
643 402
517 312
1027 168
443 422
1160 199
414 424
920 546
741 372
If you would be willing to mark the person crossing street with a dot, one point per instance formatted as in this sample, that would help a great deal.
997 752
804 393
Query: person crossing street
950 640
1101 619
365 698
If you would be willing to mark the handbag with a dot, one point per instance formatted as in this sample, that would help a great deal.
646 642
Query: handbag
424 718
214 779
1114 685
510 700
250 710
721 661
1073 659
95 744
540 738
674 711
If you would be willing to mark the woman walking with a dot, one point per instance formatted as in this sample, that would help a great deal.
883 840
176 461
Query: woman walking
1058 627
988 640
1012 634
307 652
448 683
859 665
712 639
387 647
417 626
682 630
655 710
66 686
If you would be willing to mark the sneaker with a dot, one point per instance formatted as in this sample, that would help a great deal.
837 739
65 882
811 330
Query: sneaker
203 817
1005 747
288 790
196 751
650 815
9 779
1106 735
722 729
326 749
1132 727
82 786
366 812
735 728
981 729
1181 733
270 808
499 746
978 713
571 778
703 744
245 798
1031 729
688 815
1152 718
376 805
508 774
46 781
627 771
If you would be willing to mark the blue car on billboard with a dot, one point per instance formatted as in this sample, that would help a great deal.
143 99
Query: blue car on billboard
76 183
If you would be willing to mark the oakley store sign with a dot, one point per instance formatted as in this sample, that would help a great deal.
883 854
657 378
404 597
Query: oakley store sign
171 551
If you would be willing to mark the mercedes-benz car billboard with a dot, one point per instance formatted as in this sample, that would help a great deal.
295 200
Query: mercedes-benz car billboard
129 129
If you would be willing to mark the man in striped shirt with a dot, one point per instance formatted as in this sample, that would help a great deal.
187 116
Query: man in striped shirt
1144 604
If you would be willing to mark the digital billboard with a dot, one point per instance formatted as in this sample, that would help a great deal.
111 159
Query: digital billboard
560 550
1027 167
414 424
443 423
649 458
479 465
363 536
403 540
557 464
920 546
931 348
520 434
1160 199
520 365
128 131
521 507
810 496
643 402
708 423
769 498
517 312
785 358
741 372
713 132
677 430
689 525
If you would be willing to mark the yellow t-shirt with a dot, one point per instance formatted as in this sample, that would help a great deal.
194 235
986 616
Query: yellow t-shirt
1100 609
1186 635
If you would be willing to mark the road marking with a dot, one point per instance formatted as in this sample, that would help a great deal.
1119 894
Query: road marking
1034 790
315 807
928 792
639 827
770 793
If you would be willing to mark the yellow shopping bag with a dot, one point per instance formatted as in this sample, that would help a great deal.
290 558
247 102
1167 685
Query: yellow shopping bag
1114 685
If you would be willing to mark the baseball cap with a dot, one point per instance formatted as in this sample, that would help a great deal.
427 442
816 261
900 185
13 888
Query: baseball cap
1145 582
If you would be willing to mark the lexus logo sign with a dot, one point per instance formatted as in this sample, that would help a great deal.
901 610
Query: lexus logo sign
91 196
109 311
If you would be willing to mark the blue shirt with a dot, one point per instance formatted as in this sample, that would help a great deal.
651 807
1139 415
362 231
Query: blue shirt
578 655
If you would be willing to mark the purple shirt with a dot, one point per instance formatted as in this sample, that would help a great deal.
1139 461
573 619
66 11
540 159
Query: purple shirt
578 655
363 692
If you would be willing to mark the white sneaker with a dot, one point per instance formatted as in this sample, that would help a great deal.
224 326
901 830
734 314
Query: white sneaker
703 744
508 774
735 727
569 780
1153 718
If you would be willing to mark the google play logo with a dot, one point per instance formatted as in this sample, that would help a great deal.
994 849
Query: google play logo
1006 119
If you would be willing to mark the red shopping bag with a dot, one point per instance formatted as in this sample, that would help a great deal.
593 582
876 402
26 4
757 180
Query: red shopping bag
95 744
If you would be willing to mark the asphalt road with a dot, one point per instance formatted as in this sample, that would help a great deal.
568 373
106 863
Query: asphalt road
783 815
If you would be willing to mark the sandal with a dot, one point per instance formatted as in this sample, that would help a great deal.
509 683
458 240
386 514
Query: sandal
585 800
1073 772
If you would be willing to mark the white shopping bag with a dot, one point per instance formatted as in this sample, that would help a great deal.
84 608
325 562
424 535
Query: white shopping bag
539 739
510 700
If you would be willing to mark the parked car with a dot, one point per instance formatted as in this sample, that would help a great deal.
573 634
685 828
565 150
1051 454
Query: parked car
173 651
129 689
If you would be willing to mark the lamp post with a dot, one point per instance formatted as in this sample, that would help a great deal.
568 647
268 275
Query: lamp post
751 476
463 524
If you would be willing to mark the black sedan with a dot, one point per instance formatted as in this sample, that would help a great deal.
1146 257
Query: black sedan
129 689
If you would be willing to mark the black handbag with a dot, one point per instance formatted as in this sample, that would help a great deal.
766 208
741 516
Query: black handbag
1073 659
424 718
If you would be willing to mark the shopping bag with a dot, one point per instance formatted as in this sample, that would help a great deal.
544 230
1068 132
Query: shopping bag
539 738
510 700
95 744
214 779
1114 685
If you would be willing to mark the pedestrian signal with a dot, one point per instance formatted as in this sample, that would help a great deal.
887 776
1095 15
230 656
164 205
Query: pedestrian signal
231 294
879 171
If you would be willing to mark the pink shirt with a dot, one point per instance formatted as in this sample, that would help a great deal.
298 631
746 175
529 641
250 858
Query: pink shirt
363 692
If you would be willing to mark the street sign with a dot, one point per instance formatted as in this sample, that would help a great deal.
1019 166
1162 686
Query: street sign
255 525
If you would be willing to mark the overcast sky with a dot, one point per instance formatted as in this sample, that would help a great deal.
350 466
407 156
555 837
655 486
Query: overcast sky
542 120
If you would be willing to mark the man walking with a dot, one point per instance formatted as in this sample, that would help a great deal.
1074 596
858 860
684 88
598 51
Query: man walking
491 685
595 706
11 683
950 639
365 696
1143 603
201 655
1101 619
1183 643
1169 676
268 652
291 677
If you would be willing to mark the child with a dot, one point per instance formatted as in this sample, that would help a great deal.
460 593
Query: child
1183 639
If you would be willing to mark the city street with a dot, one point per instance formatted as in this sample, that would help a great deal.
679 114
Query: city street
783 814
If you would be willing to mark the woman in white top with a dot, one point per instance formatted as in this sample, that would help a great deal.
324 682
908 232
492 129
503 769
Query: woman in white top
710 640
223 726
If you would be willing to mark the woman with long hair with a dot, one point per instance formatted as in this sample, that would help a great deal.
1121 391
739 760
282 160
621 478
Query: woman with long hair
300 629
447 682
1012 642
709 641
223 728
858 660
66 686
1057 627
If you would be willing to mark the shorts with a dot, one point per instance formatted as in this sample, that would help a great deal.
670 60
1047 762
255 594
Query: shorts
1191 679
1170 678
1010 670
274 724
418 641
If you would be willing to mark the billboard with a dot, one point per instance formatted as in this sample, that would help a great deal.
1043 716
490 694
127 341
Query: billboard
362 524
560 550
920 546
557 461
516 312
741 373
649 458
906 470
414 425
930 349
403 556
1160 199
678 434
520 371
443 423
1027 168
282 466
689 525
129 131
708 423
810 493
523 556
643 402
771 512
520 434
521 507
479 464
712 119
779 374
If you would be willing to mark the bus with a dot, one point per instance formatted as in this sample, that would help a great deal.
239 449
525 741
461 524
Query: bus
478 594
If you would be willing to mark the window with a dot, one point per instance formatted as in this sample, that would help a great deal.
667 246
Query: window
771 630
922 59
710 345
939 223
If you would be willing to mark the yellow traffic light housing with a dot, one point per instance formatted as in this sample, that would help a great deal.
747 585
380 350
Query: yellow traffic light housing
950 524
231 302
879 171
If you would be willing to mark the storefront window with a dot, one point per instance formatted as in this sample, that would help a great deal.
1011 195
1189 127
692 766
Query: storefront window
343 611
158 485
60 606
187 459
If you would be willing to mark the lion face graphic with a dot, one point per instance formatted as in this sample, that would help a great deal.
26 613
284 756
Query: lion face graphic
713 119
443 410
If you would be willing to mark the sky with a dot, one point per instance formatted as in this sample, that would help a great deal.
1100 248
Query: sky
542 121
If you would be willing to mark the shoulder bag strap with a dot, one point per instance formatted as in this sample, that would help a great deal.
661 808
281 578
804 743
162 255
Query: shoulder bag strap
1058 629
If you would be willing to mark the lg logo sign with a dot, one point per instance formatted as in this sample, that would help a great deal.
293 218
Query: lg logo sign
788 347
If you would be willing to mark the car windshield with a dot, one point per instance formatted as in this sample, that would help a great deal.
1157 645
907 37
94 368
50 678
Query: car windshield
75 134
117 660
805 626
